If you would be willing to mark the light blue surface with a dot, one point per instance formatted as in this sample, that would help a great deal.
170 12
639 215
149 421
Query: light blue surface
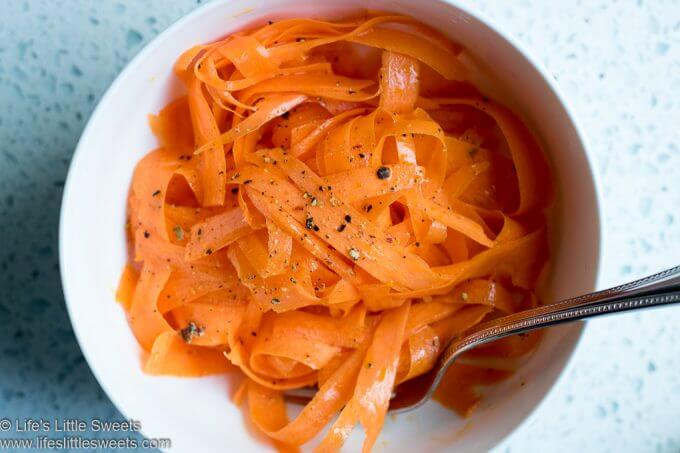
619 65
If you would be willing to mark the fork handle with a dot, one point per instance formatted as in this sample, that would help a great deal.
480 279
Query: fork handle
652 291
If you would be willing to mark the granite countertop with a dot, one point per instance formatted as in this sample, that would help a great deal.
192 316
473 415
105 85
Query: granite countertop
618 64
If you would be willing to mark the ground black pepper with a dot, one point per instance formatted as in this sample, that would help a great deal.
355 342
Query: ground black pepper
383 172
191 331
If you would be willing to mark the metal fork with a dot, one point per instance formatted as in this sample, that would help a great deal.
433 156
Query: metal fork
653 291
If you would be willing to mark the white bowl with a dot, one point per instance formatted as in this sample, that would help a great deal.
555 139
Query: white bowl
197 414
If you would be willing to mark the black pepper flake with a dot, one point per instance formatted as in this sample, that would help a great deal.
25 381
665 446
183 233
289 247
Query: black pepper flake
156 193
191 331
316 227
417 244
362 155
342 227
275 301
253 334
269 22
199 232
309 223
383 172
369 208
247 181
208 251
147 234
369 365
348 218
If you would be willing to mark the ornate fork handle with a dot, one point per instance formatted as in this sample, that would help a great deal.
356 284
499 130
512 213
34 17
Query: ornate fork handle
666 279
653 291
559 316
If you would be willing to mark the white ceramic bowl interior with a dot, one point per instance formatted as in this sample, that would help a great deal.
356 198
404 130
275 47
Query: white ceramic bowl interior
197 413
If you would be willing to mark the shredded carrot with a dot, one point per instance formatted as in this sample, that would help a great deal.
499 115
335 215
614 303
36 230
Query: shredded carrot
329 205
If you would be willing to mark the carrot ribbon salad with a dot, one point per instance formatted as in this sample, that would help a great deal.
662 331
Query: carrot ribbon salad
330 204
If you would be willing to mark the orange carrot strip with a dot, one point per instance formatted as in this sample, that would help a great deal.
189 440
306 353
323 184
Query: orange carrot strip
126 286
145 319
206 132
171 356
268 109
533 171
361 184
398 82
216 233
441 60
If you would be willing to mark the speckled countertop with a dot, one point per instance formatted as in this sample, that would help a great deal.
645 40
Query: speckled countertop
618 62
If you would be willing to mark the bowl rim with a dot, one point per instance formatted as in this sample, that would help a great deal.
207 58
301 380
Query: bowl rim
468 9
